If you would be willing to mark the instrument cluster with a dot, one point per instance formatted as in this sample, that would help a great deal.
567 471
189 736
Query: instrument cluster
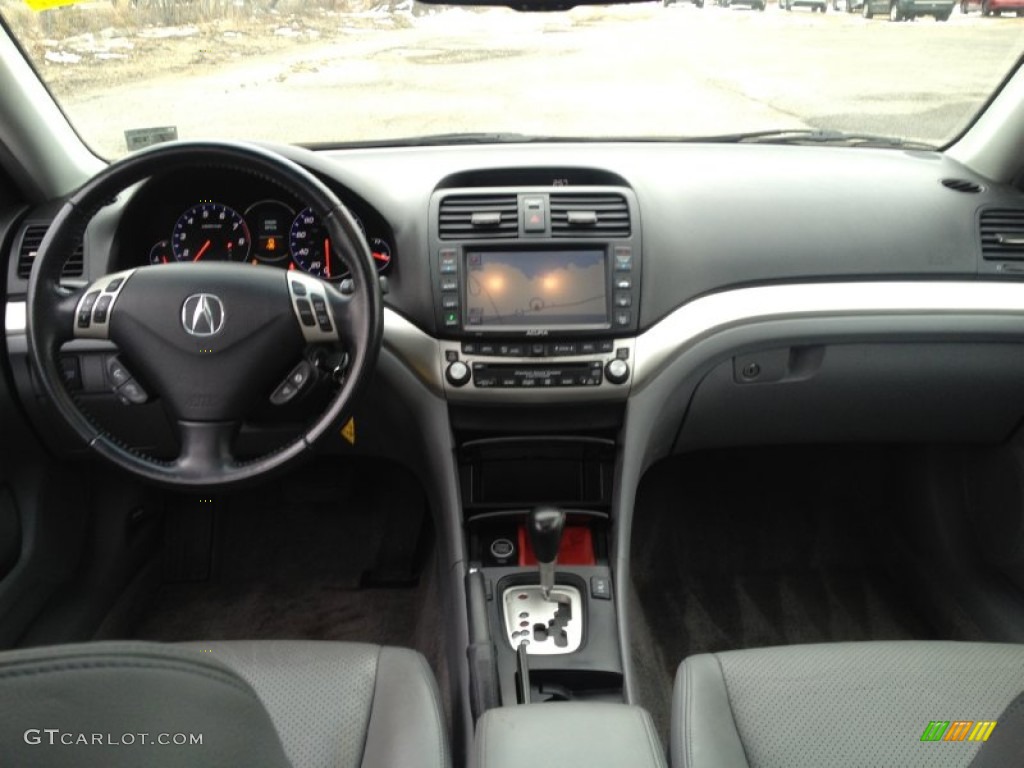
268 231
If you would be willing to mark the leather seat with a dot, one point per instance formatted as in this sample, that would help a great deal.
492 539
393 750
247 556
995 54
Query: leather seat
254 704
901 704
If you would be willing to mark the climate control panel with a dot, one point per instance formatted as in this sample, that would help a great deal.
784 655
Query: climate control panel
536 371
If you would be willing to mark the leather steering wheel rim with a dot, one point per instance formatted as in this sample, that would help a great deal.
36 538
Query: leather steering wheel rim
206 459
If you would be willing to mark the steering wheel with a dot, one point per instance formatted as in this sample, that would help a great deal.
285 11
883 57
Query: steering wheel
214 341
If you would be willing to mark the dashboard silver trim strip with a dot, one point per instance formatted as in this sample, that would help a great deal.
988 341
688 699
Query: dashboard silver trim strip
16 318
712 314
420 352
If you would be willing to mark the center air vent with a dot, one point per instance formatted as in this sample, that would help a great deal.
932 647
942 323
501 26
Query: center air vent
589 215
1002 233
30 242
472 217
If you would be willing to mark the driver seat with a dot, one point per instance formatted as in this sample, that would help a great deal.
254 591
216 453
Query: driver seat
257 704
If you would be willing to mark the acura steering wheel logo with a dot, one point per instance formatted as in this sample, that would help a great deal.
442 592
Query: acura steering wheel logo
202 314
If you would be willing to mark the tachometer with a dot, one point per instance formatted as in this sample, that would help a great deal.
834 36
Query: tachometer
210 232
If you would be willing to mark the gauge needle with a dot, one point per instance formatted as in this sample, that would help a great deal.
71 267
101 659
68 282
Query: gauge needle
379 256
199 254
327 256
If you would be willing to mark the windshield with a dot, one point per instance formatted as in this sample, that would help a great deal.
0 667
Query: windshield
133 72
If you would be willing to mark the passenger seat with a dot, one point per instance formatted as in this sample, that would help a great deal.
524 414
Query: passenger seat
900 703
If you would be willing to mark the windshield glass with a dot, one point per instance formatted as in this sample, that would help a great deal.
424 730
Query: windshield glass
132 72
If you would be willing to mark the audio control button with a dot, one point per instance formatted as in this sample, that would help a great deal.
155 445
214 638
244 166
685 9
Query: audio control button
458 373
617 371
564 348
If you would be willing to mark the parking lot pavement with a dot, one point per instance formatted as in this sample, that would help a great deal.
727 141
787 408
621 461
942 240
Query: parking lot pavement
618 70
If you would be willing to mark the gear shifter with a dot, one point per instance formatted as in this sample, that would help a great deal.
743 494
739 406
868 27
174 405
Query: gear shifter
545 529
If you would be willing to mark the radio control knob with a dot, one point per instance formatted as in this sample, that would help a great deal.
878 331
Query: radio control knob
457 373
617 371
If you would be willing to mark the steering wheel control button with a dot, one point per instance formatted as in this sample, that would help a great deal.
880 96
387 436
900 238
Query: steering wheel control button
312 308
617 371
117 373
322 318
130 393
85 309
305 311
71 372
293 384
92 315
458 374
99 314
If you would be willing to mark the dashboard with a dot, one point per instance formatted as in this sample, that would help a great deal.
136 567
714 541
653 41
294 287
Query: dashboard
634 278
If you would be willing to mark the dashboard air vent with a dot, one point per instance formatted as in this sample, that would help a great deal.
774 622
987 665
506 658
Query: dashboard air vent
1002 233
470 217
589 215
962 185
30 242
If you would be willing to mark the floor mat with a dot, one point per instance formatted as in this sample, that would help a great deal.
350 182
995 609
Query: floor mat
330 553
305 610
743 549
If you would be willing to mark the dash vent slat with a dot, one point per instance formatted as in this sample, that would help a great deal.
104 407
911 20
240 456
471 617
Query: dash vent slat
466 217
589 215
31 239
1002 234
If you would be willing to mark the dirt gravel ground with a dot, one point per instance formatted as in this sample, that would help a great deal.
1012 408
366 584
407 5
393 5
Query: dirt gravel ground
314 74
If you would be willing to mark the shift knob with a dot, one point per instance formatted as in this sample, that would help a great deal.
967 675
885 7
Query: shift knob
545 529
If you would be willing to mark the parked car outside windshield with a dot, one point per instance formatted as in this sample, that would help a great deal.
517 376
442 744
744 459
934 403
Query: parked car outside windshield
129 73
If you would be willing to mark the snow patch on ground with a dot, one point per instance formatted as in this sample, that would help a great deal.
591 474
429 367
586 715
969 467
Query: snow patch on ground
158 33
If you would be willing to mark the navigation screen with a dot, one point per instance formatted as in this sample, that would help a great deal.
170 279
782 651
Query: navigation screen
536 288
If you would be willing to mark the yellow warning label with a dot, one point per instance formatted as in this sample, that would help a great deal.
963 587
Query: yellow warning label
349 431
45 5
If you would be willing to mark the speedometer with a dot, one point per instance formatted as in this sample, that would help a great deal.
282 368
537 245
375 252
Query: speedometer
311 247
313 252
210 232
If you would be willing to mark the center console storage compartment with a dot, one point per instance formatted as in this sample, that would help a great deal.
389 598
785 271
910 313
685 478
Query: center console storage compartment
595 735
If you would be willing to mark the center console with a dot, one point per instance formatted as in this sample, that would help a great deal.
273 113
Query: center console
536 292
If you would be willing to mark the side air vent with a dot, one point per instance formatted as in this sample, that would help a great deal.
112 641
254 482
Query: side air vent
962 185
1002 233
30 242
589 215
468 217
